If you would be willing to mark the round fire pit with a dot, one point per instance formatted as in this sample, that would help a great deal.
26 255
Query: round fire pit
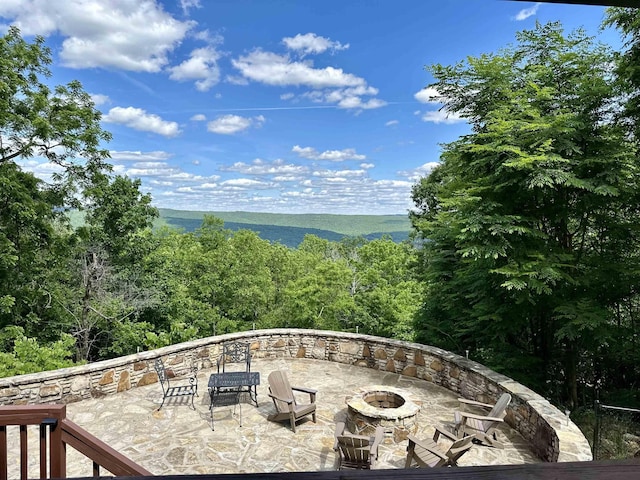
387 407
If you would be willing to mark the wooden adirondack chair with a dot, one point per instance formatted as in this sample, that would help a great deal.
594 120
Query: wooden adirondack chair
356 451
287 408
427 453
482 426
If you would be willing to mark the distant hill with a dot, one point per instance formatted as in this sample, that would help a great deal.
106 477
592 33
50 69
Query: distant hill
290 229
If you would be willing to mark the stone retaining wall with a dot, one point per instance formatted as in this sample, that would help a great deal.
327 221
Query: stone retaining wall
552 435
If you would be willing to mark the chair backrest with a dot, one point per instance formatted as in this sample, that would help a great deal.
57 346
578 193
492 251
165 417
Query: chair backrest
235 352
279 386
355 450
162 373
499 410
459 448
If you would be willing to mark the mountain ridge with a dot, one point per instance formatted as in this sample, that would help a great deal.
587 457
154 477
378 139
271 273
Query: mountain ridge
290 229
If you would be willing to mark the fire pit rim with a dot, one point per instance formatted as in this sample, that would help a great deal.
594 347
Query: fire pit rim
358 404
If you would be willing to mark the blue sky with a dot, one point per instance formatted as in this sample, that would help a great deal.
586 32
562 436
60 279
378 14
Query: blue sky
307 106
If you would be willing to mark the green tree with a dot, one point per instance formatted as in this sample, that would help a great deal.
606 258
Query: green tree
28 241
388 295
27 355
181 271
116 211
529 223
104 291
61 125
620 361
627 21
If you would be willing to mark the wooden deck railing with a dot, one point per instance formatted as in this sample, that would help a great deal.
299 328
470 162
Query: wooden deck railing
61 431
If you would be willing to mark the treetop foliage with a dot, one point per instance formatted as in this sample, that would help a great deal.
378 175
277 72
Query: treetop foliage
61 125
531 220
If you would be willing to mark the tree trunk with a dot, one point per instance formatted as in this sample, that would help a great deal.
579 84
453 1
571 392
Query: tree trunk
571 378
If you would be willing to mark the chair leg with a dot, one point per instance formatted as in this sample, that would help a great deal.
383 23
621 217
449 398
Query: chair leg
293 422
410 452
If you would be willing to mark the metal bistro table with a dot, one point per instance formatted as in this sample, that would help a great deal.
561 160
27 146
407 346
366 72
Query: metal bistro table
233 383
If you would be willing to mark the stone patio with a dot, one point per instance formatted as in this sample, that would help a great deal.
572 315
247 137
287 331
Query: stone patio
179 440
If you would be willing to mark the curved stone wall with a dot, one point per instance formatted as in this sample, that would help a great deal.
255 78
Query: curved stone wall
552 435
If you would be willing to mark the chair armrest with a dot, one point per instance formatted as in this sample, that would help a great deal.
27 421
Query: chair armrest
480 417
454 451
428 447
377 440
305 390
282 399
439 431
312 392
474 403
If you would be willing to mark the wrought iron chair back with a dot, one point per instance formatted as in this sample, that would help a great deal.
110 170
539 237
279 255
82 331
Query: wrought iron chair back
235 352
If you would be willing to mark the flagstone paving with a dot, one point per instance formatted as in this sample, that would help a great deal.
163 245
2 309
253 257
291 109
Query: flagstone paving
179 440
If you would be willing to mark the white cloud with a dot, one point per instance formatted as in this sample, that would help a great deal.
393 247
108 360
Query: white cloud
339 175
390 123
357 103
231 124
99 99
129 35
198 118
527 12
428 95
139 119
236 80
442 116
245 183
202 66
273 69
331 155
41 168
156 171
417 173
138 156
287 96
262 167
349 98
431 96
328 84
188 4
311 43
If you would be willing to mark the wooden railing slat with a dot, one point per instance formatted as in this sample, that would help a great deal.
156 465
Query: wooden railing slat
4 472
62 432
24 448
43 451
99 451
57 452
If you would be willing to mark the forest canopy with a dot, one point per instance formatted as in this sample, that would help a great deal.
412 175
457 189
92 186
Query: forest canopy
524 248
531 221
